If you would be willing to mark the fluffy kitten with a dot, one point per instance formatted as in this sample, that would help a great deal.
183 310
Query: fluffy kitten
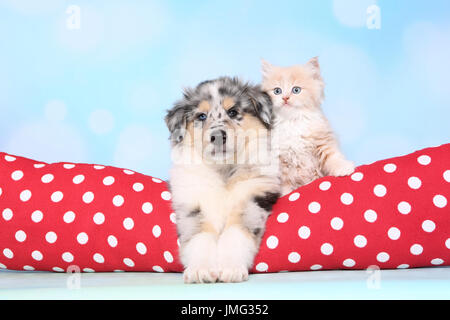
306 144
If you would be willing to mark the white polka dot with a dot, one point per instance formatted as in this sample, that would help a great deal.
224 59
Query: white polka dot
10 158
346 198
326 249
82 238
390 168
357 176
314 207
99 167
57 196
98 258
118 200
47 178
51 237
141 248
294 196
38 165
147 207
282 217
440 201
157 269
68 166
129 172
67 257
78 179
155 180
88 270
316 267
349 263
112 241
272 242
414 183
69 217
1 191
394 233
324 186
173 217
7 214
128 262
304 232
370 216
128 223
2 266
447 243
294 257
383 257
88 197
262 267
446 175
337 223
17 175
168 256
379 190
25 195
37 255
58 269
403 266
138 187
416 249
428 226
156 231
166 195
8 253
21 236
99 218
424 160
107 181
360 241
404 207
28 268
437 261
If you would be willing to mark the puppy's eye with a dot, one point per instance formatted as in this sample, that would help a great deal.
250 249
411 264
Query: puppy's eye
232 113
277 91
202 117
296 90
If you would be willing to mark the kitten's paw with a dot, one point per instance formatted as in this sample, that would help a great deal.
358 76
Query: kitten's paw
233 274
342 168
200 275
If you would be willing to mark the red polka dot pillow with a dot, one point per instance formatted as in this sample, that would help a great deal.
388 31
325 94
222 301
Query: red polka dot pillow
391 214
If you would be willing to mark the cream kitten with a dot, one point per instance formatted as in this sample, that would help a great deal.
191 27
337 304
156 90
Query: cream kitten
306 144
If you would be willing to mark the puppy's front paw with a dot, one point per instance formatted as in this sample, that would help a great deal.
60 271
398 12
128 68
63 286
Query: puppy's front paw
236 274
200 275
341 168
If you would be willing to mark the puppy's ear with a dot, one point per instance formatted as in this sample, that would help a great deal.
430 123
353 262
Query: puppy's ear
262 105
176 120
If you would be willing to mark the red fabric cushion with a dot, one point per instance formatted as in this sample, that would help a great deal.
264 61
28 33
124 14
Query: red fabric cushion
393 214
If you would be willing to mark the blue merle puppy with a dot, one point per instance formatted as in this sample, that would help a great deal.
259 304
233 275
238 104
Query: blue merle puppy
224 179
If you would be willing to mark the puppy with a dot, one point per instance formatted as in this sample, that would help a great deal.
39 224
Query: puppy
224 179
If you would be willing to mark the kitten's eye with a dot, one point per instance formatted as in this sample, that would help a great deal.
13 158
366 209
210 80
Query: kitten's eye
202 117
232 113
277 91
296 90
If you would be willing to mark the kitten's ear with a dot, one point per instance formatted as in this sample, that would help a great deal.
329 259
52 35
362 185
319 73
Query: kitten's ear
266 68
314 66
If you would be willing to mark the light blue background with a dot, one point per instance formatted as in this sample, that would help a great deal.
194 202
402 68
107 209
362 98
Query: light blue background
98 94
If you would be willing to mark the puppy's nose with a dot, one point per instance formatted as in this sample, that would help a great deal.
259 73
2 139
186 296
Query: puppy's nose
219 137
